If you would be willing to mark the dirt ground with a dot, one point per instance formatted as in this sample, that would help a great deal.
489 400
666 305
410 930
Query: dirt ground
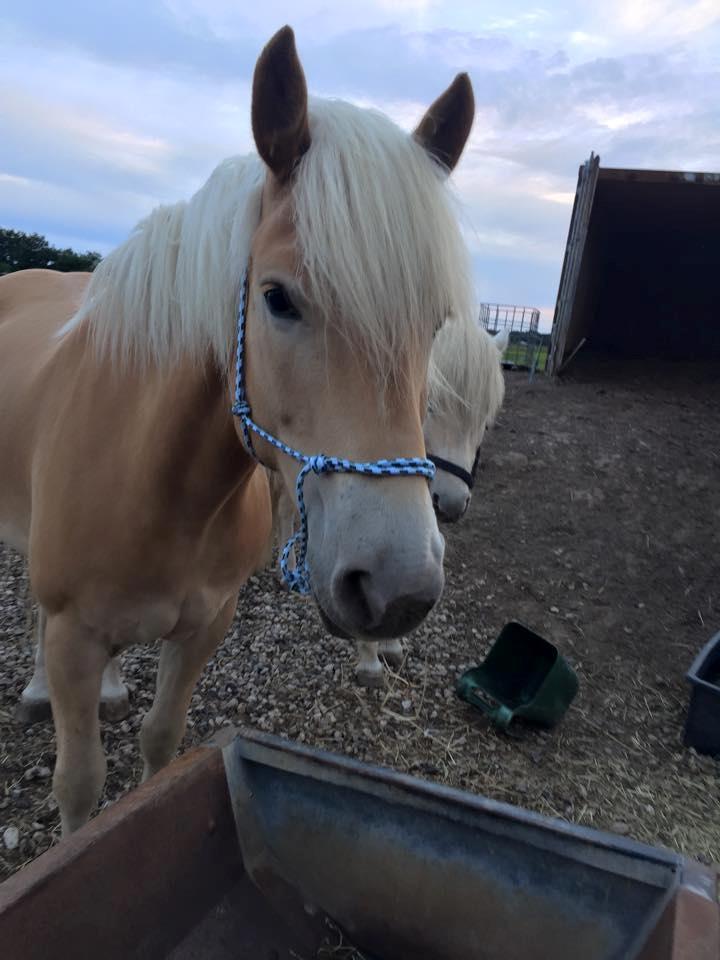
595 521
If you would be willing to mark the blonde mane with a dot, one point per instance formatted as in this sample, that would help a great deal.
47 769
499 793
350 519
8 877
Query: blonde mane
465 378
376 230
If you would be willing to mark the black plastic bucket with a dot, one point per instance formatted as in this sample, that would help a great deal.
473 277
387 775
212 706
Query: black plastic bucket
702 728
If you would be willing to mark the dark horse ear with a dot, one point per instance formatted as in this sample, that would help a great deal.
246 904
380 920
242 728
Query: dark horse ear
444 129
279 105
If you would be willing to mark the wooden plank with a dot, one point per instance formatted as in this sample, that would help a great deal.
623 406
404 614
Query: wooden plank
576 249
572 263
134 880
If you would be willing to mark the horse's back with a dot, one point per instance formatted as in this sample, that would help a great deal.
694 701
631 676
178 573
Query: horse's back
33 305
39 295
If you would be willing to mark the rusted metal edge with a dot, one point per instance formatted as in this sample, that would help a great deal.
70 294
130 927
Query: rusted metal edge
135 879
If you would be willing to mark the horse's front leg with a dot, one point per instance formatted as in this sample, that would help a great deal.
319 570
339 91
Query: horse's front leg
114 697
369 671
75 659
181 663
392 652
34 706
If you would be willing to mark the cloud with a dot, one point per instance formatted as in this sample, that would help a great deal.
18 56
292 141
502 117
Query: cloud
110 109
667 18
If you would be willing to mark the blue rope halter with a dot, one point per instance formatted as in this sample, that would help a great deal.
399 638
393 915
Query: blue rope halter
298 579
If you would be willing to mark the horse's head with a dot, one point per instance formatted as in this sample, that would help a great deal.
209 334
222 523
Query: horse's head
356 260
466 392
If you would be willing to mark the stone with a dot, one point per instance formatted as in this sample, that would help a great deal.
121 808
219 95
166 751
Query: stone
11 838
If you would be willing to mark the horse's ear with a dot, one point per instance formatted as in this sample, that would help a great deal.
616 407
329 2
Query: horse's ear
279 105
444 129
501 340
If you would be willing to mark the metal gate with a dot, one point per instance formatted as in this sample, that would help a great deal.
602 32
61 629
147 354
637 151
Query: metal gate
526 348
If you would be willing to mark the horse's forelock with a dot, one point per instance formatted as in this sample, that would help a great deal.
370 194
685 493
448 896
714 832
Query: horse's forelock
377 233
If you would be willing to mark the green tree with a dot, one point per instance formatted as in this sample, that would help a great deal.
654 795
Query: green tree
23 251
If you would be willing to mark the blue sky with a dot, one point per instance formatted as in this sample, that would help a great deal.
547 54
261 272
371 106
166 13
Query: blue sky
110 108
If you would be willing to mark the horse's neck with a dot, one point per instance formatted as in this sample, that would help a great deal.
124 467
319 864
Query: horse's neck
173 433
200 458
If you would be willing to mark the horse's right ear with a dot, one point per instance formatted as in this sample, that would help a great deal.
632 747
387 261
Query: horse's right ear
444 129
279 105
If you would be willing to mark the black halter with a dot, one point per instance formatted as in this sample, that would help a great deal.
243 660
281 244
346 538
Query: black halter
449 467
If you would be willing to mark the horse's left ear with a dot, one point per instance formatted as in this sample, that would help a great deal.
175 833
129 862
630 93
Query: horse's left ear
279 105
444 129
501 340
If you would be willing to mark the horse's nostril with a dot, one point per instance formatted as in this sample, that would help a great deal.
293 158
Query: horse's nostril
436 501
370 609
353 590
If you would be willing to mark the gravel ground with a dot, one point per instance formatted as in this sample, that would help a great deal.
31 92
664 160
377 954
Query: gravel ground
594 521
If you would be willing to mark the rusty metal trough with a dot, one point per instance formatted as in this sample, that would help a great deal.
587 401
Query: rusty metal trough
244 851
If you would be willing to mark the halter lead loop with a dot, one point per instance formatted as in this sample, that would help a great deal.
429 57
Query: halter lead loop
298 578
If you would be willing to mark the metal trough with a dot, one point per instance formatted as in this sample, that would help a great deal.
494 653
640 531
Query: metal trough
244 853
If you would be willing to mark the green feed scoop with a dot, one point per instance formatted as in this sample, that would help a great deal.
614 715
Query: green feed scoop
523 675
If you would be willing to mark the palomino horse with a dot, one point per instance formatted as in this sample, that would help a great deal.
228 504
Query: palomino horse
126 479
466 391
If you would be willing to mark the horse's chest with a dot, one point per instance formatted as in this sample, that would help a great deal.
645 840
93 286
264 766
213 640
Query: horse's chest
143 620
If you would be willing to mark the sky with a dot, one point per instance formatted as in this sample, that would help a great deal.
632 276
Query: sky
110 108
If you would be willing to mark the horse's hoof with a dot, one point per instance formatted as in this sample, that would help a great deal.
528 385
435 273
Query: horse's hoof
115 709
30 711
371 679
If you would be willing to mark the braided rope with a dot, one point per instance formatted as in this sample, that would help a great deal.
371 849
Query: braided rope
298 578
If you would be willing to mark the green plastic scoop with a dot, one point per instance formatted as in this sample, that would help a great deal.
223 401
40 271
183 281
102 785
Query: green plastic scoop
523 675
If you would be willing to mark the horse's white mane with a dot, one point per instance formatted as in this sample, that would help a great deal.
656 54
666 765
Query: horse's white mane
465 378
375 227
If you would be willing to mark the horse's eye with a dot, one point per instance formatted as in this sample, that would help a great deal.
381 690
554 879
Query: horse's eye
279 304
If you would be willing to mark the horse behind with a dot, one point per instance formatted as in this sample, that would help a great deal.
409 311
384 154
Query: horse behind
299 289
466 391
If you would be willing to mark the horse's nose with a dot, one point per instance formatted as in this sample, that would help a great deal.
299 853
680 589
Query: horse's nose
450 507
377 608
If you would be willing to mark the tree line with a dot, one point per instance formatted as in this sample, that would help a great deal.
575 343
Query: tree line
22 251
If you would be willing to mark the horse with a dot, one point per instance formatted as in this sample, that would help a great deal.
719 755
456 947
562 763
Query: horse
466 391
288 307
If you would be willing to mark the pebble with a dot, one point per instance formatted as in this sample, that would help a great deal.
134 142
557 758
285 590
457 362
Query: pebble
11 838
620 828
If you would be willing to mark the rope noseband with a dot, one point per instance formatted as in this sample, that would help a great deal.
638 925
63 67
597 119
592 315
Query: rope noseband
298 578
